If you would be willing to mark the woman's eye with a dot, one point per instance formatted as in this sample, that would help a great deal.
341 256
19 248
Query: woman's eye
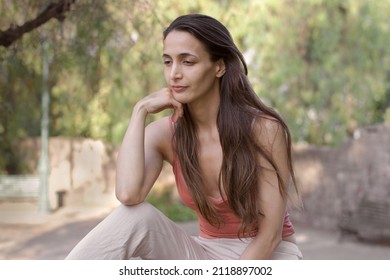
186 62
167 62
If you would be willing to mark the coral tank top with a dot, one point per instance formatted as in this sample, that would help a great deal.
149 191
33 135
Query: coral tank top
231 223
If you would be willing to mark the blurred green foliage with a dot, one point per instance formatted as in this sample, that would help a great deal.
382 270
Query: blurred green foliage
323 64
172 208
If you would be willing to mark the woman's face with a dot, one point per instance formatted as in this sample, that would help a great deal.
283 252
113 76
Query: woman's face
188 70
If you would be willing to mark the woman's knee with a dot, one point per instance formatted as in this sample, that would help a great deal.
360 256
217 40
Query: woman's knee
142 212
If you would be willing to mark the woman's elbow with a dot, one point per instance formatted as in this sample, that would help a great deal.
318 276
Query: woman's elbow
127 198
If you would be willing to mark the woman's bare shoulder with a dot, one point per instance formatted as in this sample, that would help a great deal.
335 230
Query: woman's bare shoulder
268 129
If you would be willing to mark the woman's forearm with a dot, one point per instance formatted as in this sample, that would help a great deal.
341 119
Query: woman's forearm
260 248
133 181
130 170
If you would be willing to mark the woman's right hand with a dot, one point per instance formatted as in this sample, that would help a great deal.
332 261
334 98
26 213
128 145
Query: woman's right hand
159 101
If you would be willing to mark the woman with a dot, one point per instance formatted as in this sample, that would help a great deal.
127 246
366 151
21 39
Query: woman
231 156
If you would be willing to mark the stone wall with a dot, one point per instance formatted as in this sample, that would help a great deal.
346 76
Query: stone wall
83 168
334 180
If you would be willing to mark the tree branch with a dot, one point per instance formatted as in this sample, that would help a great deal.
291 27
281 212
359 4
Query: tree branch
53 10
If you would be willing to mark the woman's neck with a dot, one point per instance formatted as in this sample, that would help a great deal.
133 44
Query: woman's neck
204 113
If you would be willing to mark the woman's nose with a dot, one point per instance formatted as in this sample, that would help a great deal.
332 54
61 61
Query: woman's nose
176 72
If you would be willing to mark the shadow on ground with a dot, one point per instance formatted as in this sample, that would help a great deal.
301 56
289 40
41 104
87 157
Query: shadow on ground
53 244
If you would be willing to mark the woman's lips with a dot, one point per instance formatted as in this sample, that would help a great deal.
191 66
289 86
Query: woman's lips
178 89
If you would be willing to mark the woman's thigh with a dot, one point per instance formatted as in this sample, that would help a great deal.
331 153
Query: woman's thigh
139 231
232 248
287 251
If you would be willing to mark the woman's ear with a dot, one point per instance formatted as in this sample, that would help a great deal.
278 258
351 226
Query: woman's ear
220 68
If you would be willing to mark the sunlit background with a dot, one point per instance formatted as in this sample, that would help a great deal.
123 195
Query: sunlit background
68 85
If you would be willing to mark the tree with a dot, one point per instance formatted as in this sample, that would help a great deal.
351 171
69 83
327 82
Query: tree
53 10
324 65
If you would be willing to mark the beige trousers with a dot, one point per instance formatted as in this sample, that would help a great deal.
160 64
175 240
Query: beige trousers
142 231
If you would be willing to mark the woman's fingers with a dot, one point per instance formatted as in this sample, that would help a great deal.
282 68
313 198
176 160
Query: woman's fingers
161 100
178 110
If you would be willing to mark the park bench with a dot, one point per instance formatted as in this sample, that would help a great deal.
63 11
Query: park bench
370 222
24 188
19 187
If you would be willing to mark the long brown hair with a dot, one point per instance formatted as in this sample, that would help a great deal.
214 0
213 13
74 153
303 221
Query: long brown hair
239 106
